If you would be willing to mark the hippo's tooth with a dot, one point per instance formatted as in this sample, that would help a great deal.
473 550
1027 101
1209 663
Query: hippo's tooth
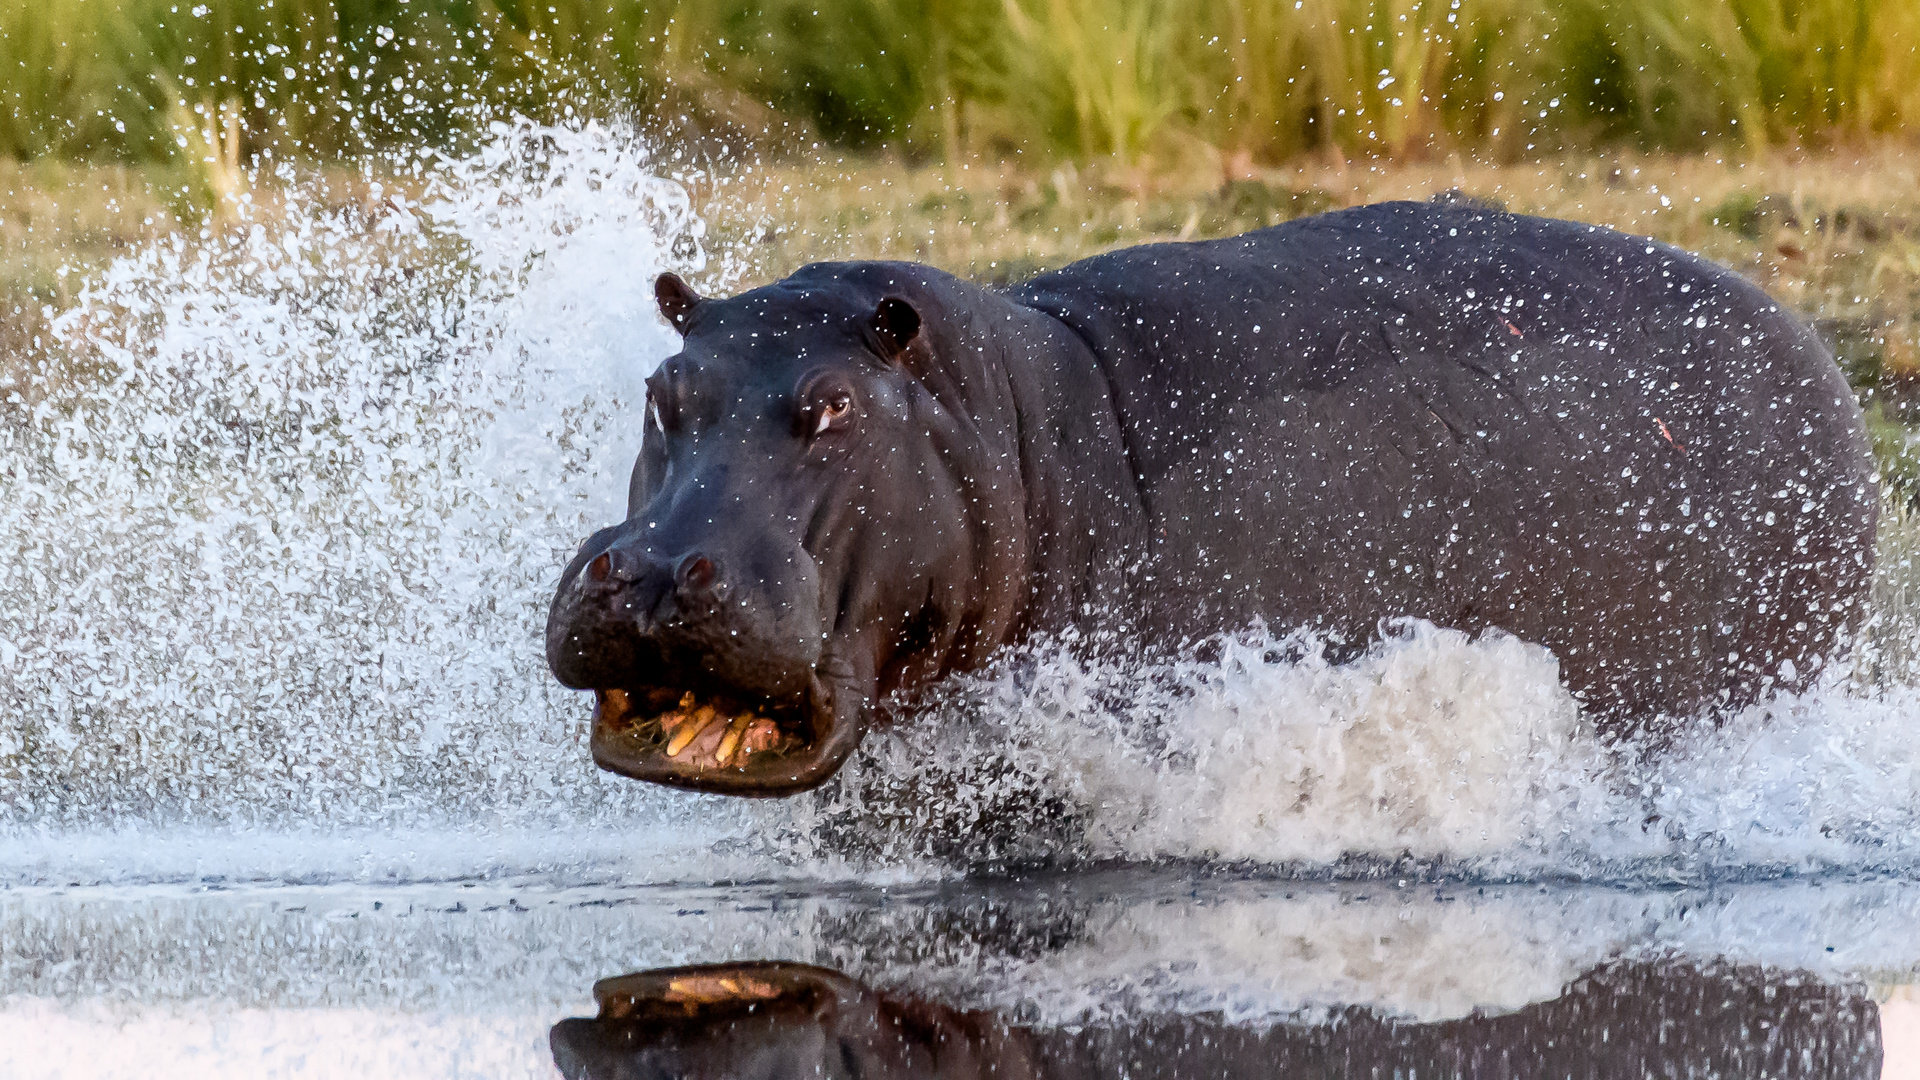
735 732
689 731
710 989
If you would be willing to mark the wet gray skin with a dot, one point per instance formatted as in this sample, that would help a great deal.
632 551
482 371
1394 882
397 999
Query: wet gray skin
869 475
806 535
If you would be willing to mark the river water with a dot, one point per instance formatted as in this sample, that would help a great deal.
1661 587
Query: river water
285 788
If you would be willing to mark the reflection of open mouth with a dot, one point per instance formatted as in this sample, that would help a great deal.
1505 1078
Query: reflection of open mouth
714 740
756 1020
713 990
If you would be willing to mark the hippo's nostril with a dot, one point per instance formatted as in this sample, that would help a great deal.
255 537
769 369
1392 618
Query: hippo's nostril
601 568
697 573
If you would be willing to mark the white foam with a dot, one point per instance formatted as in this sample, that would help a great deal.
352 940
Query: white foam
1460 756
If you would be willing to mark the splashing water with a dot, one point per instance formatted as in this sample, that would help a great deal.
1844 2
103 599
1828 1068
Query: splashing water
1431 753
288 503
288 516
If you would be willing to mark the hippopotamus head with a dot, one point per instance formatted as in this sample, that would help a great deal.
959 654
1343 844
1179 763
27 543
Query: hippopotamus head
813 522
764 1021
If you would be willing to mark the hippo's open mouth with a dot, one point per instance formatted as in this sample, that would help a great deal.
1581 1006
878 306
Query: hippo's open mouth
719 741
714 988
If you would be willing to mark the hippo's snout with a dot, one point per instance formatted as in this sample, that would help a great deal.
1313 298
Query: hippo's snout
707 665
604 615
625 606
693 582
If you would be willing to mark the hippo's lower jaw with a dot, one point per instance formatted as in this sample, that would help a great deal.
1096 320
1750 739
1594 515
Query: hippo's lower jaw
724 745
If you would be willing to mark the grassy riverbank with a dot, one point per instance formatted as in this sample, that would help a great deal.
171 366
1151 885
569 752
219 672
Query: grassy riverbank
1835 236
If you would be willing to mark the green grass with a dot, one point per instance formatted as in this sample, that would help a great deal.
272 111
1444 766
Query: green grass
1129 81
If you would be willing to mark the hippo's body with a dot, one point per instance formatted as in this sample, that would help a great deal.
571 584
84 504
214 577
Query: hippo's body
1589 440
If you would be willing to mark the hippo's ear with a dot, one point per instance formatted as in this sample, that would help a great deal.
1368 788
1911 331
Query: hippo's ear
895 323
676 298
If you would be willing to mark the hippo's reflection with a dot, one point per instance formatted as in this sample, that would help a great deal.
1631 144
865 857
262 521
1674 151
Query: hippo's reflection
771 1021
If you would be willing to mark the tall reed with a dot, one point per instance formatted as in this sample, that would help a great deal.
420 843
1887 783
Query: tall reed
1048 79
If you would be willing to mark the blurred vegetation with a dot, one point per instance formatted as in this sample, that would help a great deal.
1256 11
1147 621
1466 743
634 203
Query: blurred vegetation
1251 81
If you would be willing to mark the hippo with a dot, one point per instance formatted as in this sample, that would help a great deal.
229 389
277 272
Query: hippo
869 475
780 1020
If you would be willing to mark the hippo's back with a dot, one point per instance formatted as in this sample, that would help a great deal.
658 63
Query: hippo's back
1591 440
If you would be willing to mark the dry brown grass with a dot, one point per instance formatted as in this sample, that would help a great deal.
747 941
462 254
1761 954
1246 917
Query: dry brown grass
1834 235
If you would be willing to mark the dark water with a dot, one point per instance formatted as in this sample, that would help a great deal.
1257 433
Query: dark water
1628 1018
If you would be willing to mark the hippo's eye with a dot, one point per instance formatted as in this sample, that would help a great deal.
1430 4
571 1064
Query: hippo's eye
663 409
827 408
830 412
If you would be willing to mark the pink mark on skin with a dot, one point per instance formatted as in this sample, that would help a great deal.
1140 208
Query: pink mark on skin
1668 435
1511 329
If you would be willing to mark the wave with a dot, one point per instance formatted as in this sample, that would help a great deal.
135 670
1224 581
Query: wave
1433 754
